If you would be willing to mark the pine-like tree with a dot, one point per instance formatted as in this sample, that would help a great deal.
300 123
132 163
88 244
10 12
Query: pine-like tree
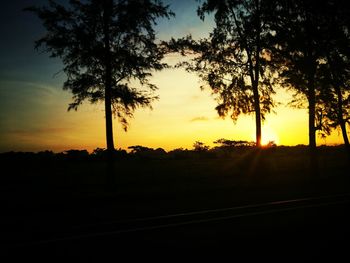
108 48
234 60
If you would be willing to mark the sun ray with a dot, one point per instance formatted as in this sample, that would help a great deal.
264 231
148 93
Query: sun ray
269 136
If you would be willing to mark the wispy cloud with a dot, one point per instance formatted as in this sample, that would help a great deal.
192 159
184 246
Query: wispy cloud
200 118
27 86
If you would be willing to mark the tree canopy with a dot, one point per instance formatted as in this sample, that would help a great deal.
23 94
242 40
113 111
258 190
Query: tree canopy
311 43
109 51
234 60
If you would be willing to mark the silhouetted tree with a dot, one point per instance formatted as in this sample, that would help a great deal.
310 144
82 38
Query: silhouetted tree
147 153
108 49
229 143
299 29
333 110
271 144
233 61
139 148
200 147
312 50
336 69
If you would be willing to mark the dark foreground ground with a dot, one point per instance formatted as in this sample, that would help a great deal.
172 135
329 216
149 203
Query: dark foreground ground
153 206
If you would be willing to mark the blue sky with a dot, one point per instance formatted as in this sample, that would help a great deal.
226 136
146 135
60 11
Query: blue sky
31 96
33 106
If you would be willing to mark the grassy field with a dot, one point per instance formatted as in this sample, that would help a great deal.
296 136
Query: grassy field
44 194
210 179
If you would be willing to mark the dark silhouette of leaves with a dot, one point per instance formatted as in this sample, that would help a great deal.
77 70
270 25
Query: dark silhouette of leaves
234 60
108 49
311 49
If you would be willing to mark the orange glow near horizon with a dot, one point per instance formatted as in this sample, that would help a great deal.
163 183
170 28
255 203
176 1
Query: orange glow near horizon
33 115
183 114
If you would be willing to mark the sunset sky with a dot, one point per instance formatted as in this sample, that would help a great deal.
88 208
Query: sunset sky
33 106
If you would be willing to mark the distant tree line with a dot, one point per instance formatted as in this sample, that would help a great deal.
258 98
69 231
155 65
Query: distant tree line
142 153
300 45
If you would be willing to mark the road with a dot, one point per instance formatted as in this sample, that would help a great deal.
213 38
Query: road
306 229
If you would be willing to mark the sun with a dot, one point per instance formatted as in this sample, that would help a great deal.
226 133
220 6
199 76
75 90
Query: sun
268 135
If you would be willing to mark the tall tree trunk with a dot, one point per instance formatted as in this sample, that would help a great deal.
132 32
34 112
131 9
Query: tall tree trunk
253 70
109 175
108 76
257 76
311 70
312 109
314 168
340 113
257 114
341 119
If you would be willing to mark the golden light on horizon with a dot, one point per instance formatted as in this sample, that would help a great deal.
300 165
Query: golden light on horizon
183 114
269 135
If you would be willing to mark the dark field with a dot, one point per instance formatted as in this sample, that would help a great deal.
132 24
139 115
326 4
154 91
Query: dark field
50 198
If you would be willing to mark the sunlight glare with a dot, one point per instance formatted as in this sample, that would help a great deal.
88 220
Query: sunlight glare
268 135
